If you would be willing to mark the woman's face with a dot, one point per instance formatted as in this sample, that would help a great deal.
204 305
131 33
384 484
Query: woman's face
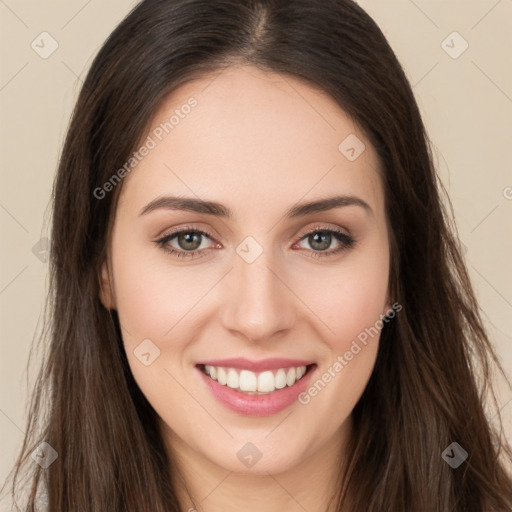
274 283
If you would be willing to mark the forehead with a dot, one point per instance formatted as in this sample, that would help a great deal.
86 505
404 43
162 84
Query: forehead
243 136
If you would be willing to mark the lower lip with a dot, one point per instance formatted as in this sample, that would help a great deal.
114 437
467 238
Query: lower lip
257 405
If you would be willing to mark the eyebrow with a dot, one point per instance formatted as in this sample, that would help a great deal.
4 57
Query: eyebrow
220 210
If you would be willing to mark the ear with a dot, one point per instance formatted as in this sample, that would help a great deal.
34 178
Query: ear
106 288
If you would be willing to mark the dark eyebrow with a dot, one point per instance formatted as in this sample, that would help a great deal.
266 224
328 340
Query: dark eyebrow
329 203
219 210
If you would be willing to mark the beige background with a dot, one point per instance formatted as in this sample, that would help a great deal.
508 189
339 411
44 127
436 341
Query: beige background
466 103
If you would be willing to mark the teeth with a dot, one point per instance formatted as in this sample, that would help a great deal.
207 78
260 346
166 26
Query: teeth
281 378
233 379
266 382
248 381
252 383
221 375
290 377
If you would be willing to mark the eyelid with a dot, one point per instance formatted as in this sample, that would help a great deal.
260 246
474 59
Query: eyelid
322 227
187 228
346 242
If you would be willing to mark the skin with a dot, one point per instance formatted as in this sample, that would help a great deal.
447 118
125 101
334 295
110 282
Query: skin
258 143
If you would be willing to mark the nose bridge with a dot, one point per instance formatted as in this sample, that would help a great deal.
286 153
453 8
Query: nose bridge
259 304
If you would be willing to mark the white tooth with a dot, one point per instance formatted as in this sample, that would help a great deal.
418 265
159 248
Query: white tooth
248 381
221 376
301 370
233 380
280 379
266 382
290 378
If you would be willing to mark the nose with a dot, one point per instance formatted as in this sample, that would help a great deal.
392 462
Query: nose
259 303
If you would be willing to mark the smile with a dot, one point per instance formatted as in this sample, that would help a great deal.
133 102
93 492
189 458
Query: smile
250 382
256 387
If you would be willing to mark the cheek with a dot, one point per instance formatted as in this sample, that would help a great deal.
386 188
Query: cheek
351 296
155 309
159 302
151 296
360 302
351 305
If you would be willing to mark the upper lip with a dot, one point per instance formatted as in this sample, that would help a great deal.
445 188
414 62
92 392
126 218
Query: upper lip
256 366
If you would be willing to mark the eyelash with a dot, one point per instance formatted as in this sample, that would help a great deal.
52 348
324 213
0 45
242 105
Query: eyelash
346 242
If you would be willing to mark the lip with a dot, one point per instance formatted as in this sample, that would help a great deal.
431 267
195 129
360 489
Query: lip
257 405
256 366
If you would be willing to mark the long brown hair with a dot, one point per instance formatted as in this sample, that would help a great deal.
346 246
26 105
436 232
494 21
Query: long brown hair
433 368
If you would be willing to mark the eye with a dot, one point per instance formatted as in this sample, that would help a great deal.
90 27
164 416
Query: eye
189 241
321 238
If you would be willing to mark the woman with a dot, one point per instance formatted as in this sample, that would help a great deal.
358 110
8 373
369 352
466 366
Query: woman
258 298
